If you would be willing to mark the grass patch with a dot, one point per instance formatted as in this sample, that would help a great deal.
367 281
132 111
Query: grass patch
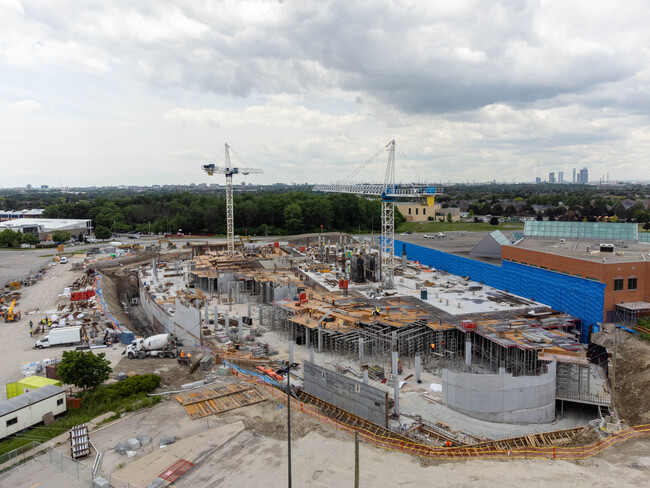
431 227
129 395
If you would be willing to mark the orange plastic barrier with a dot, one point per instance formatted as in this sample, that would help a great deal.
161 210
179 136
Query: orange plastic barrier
464 452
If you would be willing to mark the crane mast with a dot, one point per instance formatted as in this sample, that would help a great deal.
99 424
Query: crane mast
230 220
229 170
388 223
389 193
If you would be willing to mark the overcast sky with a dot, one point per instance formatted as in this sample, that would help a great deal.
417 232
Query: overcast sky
123 92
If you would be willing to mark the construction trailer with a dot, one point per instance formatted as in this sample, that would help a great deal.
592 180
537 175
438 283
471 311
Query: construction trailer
29 409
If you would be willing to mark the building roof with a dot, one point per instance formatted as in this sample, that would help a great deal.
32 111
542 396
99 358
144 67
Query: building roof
581 230
46 225
26 399
624 251
38 381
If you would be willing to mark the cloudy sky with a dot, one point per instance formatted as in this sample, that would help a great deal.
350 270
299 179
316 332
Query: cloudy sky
124 92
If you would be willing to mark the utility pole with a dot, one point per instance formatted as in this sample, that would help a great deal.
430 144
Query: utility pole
289 423
356 460
614 373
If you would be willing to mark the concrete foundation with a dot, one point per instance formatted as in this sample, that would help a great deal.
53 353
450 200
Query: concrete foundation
360 399
501 397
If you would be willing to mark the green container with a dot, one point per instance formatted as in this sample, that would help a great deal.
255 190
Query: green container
423 294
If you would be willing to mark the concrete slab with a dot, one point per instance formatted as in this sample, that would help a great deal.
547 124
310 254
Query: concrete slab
142 471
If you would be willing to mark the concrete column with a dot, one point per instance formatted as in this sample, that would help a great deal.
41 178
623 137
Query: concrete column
206 320
468 350
227 323
291 352
311 355
396 396
360 350
417 368
395 363
259 310
404 261
249 309
320 339
307 334
216 317
365 376
240 330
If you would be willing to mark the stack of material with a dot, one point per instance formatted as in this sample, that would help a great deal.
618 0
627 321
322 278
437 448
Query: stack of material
376 372
79 441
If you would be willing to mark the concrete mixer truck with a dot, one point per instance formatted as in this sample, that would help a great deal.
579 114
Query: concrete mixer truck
158 346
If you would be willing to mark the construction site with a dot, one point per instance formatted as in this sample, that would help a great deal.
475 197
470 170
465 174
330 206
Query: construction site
351 334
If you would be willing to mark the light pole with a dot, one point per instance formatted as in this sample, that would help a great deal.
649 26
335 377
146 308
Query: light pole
287 370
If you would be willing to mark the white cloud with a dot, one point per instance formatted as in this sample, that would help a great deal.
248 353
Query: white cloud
24 106
470 89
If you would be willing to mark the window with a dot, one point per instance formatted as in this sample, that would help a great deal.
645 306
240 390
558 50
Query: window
12 421
618 284
409 210
631 283
59 401
417 210
424 211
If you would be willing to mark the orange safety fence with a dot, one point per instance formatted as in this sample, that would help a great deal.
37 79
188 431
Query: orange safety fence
464 452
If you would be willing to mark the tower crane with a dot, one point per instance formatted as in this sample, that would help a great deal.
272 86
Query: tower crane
389 193
229 170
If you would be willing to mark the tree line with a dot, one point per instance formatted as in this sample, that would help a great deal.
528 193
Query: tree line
254 214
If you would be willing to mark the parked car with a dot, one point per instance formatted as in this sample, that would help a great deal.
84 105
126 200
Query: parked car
63 260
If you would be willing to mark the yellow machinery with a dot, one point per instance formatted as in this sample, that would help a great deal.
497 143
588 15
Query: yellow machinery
12 316
15 285
170 244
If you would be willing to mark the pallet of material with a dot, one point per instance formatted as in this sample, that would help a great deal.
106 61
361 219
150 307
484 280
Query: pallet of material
220 400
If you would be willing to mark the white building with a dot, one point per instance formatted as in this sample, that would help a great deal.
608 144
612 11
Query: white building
44 227
28 409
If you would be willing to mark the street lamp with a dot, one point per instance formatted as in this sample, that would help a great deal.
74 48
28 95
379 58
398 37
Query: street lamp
287 370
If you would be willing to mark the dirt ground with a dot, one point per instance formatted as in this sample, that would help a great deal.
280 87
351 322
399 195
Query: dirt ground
632 373
324 457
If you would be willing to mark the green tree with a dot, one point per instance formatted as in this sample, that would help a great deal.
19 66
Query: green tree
84 369
102 232
30 239
60 236
293 217
449 217
9 238
494 221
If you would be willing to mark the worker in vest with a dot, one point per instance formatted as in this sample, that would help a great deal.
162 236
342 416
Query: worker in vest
182 353
448 444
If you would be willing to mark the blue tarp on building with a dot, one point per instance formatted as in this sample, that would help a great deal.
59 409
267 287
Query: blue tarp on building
580 297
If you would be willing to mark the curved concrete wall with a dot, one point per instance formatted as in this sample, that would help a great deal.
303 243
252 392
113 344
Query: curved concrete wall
501 397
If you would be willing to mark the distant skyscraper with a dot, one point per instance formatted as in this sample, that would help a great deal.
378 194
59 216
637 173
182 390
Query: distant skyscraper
574 175
551 177
583 176
560 177
538 180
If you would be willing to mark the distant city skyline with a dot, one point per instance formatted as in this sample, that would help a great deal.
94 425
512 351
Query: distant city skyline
112 93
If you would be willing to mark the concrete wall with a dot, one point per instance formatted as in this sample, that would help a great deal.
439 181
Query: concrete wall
185 324
501 397
362 400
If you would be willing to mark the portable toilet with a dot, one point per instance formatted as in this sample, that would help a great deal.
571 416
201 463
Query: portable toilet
29 384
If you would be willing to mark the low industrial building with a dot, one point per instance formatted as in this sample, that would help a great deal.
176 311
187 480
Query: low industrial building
44 228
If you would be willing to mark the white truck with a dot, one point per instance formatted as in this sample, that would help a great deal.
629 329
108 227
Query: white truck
60 336
159 346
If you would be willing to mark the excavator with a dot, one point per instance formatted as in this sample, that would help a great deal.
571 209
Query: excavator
10 315
170 244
